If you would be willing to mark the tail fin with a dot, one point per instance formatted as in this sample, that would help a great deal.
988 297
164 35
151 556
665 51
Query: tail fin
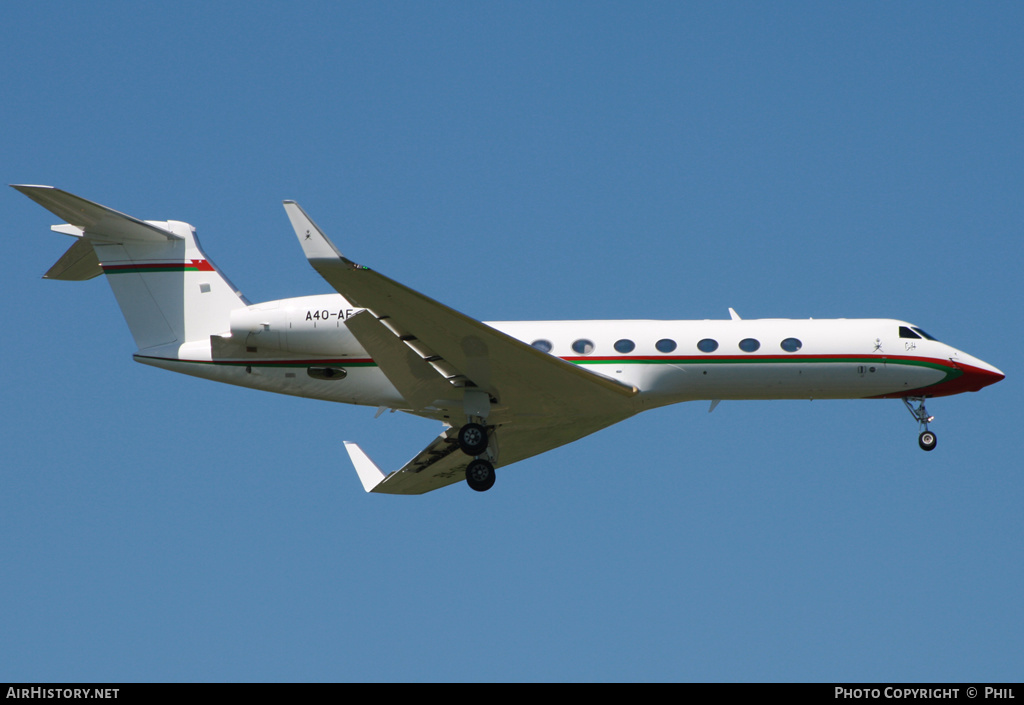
168 291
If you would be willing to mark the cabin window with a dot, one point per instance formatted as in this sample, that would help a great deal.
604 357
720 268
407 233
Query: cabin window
583 346
665 345
707 345
542 345
749 345
624 346
791 344
907 333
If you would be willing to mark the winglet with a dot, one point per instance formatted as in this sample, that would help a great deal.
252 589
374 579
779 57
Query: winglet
314 243
369 474
733 315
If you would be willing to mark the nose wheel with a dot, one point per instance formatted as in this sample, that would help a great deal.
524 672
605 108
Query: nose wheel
927 439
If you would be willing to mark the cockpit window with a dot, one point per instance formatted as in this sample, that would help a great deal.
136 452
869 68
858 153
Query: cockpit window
907 333
923 333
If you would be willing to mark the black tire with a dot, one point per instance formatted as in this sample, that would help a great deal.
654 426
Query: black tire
480 475
473 439
927 440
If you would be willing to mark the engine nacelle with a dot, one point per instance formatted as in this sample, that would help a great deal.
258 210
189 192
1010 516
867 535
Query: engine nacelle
309 325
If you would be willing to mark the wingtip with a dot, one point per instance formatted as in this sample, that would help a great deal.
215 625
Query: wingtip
314 243
24 188
369 474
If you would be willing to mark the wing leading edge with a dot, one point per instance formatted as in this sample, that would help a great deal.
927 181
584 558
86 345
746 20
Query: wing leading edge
538 401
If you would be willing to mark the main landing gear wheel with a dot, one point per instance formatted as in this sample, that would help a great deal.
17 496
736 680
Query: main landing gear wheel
473 439
927 440
480 475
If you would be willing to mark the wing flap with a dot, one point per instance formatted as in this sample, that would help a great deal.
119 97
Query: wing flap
492 360
414 378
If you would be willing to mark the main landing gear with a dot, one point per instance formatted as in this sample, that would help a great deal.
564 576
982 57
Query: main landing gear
927 439
480 475
473 441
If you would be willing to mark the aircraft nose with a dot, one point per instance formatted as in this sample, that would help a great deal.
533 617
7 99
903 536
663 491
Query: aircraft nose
979 375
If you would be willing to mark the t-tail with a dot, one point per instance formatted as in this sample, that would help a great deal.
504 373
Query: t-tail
169 292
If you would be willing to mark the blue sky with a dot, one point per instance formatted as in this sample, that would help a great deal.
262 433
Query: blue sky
519 161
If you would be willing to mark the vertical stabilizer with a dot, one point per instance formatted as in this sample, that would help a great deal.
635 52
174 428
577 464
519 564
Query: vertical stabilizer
168 291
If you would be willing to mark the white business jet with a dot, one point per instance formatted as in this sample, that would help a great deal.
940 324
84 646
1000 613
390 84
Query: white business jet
503 391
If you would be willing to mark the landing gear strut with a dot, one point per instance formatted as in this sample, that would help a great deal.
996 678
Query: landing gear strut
474 439
927 439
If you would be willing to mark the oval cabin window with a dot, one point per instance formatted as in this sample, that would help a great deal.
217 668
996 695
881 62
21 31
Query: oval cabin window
583 346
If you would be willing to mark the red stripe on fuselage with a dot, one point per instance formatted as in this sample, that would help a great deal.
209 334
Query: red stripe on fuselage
970 379
959 377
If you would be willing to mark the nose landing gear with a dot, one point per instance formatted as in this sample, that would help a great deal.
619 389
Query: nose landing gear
927 439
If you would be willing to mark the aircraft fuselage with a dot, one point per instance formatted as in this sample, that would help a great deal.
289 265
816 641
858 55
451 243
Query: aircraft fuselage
279 342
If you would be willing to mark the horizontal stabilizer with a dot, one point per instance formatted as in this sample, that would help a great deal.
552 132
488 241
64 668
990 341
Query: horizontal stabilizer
98 223
77 264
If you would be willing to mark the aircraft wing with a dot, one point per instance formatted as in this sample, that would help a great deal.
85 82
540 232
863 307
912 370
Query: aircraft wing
442 463
538 401
520 378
